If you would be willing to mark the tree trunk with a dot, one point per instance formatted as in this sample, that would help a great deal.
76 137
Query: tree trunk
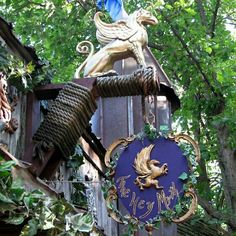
227 162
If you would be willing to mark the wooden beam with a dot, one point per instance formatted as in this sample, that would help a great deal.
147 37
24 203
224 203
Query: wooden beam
27 54
54 160
50 91
33 121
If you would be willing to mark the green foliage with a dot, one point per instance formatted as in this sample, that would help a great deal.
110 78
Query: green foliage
183 176
150 131
78 196
36 210
76 160
53 28
82 222
23 77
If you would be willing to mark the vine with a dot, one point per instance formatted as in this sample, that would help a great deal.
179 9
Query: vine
24 77
35 211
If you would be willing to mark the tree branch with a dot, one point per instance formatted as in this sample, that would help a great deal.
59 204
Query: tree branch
86 5
195 61
201 12
90 160
156 46
214 17
216 214
36 3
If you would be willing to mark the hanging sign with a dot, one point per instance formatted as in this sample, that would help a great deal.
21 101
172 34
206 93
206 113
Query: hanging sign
150 177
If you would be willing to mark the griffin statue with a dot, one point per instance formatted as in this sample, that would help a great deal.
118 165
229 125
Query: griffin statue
147 170
120 40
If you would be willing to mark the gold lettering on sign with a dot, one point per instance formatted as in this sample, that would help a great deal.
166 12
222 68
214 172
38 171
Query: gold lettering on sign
124 192
149 209
161 198
140 204
133 203
173 191
166 200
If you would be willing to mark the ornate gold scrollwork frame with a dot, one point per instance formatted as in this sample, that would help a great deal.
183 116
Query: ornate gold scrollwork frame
114 145
112 192
192 207
178 137
112 196
190 193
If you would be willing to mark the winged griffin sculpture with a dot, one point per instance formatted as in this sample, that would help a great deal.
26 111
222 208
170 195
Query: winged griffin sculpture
120 40
147 170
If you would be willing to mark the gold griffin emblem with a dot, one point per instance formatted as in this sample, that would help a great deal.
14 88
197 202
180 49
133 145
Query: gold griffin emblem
147 169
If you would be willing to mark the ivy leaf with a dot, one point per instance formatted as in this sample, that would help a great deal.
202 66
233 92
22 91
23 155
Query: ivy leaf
4 173
17 194
178 208
150 131
7 207
48 219
30 229
15 220
17 191
6 166
82 222
28 202
5 199
183 176
58 208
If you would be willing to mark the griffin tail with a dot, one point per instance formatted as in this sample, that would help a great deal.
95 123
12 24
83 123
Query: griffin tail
84 47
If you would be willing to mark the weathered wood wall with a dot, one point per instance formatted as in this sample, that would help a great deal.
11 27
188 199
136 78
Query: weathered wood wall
93 181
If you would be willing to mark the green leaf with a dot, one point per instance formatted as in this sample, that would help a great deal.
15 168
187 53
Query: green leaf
7 207
183 176
4 198
208 49
6 166
30 229
168 6
190 11
17 194
15 220
4 173
82 222
178 208
58 208
17 191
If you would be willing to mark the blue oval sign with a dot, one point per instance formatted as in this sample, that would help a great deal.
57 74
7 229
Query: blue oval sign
147 177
